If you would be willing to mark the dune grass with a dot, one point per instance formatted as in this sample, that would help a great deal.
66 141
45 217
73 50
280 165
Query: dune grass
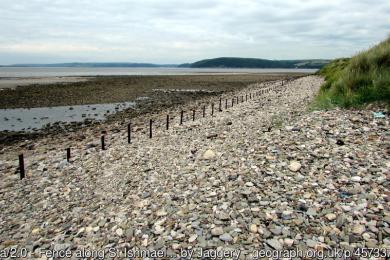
353 82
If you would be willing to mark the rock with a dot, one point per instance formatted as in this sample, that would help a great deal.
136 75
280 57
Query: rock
311 243
119 232
294 166
366 236
249 184
302 207
270 157
211 136
340 221
226 237
61 247
311 212
217 231
161 213
246 191
274 243
372 243
102 222
35 231
358 229
175 246
346 208
331 216
287 214
276 230
356 179
298 221
158 229
223 216
288 242
253 228
88 229
192 238
81 231
62 164
90 145
388 164
209 154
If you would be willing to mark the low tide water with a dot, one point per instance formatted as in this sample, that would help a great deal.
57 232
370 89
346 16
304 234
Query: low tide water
32 119
15 72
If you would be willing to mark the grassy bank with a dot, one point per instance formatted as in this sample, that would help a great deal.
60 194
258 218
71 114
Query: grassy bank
356 81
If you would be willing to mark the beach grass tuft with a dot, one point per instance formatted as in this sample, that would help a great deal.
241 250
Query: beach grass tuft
356 81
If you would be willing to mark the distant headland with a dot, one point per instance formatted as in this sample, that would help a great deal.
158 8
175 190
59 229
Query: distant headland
223 62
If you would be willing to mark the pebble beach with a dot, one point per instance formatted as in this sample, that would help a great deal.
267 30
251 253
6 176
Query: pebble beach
264 174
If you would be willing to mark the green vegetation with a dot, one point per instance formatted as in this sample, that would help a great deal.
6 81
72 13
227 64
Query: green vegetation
256 63
353 82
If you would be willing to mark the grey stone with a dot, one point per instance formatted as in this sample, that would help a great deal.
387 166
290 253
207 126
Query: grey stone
226 237
274 243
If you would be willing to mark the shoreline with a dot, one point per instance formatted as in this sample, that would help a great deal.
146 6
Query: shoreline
162 98
88 133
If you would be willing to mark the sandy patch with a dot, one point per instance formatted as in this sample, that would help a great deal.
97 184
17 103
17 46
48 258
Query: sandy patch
14 82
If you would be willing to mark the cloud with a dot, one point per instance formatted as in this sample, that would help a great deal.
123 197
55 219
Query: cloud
174 31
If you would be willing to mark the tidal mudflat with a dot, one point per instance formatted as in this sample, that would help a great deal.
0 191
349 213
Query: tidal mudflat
150 94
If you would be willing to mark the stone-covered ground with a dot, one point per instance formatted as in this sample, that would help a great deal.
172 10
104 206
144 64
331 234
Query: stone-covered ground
265 174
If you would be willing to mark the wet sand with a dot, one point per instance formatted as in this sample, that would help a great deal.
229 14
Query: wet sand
12 83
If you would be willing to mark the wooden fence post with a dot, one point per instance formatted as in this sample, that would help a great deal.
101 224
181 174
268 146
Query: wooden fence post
21 166
102 141
129 133
68 154
150 128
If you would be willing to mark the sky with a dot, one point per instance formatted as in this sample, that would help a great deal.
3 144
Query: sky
179 31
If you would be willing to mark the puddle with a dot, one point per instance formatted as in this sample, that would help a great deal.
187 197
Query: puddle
32 119
142 98
183 90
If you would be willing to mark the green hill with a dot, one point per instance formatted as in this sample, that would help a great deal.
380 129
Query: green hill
361 79
231 62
